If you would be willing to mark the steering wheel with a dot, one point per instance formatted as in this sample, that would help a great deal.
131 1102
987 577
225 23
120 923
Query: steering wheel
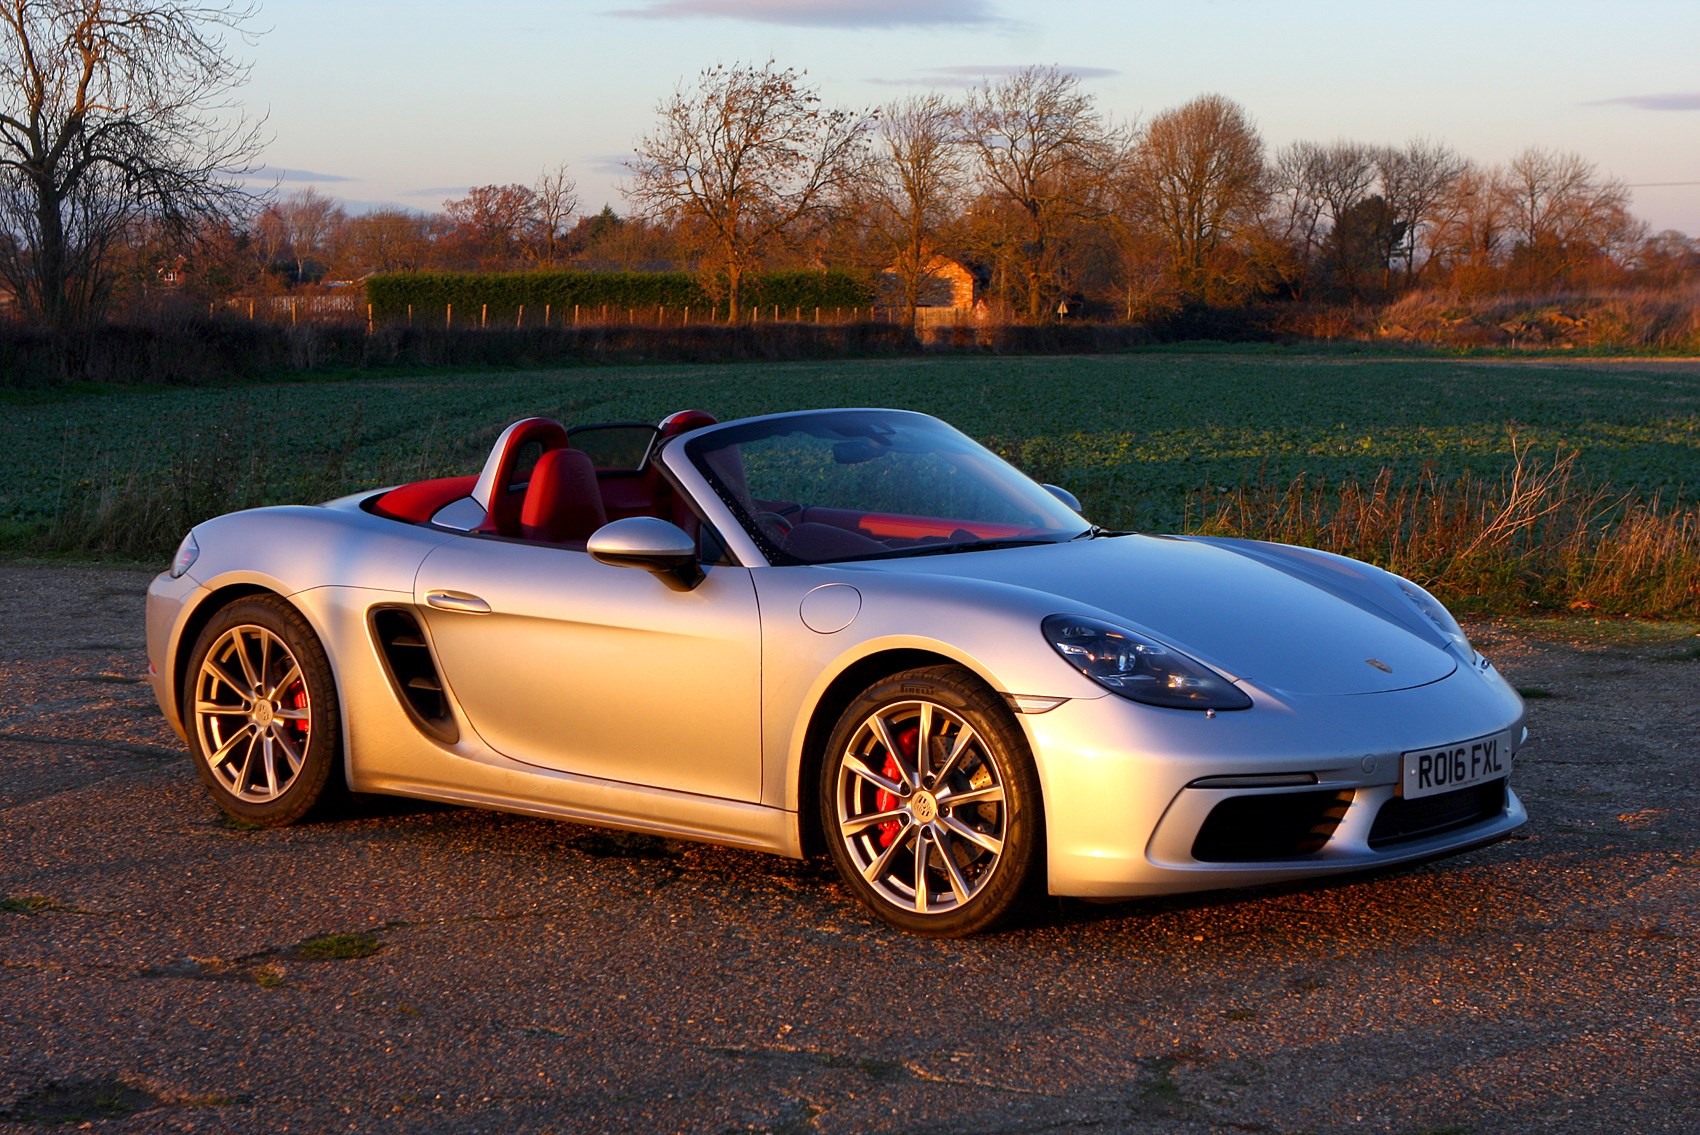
775 526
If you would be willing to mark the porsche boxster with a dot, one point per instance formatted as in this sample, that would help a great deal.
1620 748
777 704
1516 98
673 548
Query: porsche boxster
855 633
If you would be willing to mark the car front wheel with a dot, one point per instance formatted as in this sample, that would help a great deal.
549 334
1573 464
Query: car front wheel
930 803
262 713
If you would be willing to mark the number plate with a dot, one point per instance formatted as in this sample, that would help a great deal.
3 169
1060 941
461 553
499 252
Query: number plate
1428 772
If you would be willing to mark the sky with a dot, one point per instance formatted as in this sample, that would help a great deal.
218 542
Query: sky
381 103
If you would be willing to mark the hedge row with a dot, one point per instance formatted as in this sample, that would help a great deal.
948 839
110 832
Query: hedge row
218 352
503 293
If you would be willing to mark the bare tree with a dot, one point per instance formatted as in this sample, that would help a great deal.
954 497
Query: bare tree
554 201
741 158
1414 182
912 189
111 111
1563 214
1197 178
386 240
1469 237
1318 185
305 222
1042 146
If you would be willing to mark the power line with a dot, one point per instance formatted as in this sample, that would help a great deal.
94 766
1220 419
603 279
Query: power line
1658 184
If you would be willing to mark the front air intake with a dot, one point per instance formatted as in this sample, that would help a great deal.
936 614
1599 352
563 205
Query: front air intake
1270 825
413 673
1401 820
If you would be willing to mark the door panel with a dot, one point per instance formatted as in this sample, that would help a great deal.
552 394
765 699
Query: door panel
597 670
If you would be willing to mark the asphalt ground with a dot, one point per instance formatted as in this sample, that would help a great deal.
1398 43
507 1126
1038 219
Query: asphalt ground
417 968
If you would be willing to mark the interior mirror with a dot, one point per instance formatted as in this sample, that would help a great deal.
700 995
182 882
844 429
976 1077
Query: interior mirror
857 450
1064 495
656 546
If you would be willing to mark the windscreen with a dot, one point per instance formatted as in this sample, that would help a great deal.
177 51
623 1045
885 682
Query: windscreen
857 484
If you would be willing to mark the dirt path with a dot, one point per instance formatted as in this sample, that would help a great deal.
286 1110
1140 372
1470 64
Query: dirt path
160 971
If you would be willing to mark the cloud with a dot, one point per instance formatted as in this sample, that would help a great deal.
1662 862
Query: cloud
973 76
439 192
1677 100
826 13
277 173
610 165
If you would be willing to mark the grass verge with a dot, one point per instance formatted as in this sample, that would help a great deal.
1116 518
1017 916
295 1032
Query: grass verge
1535 538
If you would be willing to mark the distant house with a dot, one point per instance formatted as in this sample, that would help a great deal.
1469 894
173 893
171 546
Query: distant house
173 274
948 283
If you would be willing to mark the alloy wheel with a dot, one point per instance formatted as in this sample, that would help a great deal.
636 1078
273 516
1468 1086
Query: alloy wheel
921 807
253 713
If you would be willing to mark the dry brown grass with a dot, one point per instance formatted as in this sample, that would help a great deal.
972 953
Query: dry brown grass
1539 537
1640 319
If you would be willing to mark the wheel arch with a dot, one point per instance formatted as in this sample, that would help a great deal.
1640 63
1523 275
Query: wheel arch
196 621
207 609
839 693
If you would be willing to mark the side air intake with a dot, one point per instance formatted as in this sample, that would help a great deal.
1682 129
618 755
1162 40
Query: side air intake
412 672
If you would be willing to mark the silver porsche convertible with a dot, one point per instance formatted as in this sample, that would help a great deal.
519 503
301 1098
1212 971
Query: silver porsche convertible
846 632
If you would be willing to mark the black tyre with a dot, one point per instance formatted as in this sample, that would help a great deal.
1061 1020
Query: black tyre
930 803
261 712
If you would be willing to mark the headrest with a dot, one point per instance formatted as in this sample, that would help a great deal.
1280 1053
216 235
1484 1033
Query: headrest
684 421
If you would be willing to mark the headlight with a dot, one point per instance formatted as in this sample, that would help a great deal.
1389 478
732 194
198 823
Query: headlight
1139 668
1437 614
185 557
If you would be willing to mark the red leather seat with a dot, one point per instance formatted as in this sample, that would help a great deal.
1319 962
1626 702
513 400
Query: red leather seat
562 504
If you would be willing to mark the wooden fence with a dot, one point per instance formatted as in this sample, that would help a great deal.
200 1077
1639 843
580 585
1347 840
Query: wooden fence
348 309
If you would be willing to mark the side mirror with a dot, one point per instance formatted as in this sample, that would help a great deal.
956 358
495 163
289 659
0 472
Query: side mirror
654 545
1064 495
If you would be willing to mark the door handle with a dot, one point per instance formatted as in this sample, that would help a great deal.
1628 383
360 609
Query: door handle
457 601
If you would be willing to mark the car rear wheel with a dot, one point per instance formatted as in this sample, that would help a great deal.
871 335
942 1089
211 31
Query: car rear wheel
262 714
930 803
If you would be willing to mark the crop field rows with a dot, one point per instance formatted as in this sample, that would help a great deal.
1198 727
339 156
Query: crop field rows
1145 439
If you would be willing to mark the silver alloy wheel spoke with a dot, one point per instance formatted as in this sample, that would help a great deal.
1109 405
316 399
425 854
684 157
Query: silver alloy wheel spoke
923 739
978 838
860 824
876 870
857 766
921 852
223 754
290 752
958 884
217 670
992 794
882 730
248 672
247 763
293 675
964 738
268 759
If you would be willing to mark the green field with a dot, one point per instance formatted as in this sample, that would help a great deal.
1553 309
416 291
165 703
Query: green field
1134 435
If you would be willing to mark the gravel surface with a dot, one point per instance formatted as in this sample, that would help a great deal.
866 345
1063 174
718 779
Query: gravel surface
163 971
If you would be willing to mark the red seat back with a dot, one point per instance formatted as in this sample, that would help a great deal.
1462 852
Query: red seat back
562 504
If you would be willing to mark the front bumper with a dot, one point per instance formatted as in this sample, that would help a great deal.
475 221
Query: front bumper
168 601
1125 809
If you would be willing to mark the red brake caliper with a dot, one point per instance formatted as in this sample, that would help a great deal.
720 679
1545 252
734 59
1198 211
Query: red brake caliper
298 700
886 801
